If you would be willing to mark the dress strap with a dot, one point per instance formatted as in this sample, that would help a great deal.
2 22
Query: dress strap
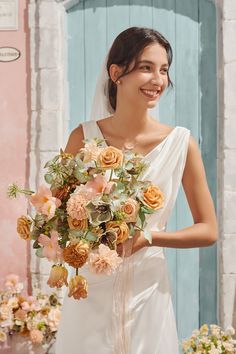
90 129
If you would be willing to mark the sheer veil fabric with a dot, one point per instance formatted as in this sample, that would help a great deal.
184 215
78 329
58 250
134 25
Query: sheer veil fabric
122 289
131 311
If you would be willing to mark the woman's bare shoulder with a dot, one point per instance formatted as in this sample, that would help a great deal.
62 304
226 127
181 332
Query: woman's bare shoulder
75 141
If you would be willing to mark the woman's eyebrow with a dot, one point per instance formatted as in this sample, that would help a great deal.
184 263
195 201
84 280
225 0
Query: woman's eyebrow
151 62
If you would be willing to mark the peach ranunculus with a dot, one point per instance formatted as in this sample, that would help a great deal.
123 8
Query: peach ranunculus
78 287
51 248
23 227
36 336
110 158
58 276
153 197
90 151
44 202
121 229
130 208
75 224
76 255
105 261
99 184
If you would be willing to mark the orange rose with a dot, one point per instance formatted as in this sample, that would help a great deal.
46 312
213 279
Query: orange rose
23 227
110 157
121 229
130 208
153 197
78 287
75 224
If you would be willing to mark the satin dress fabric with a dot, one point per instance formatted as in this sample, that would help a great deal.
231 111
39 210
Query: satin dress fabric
131 311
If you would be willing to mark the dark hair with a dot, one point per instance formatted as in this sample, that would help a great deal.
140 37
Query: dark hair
128 46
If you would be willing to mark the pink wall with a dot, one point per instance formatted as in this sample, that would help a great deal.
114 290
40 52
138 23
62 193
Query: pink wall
14 146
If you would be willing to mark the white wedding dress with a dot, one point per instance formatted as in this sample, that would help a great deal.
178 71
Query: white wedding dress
133 315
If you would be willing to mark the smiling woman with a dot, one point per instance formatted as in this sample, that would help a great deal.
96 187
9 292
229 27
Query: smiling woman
118 309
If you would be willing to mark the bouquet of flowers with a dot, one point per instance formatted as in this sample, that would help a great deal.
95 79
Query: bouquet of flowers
96 201
36 318
211 340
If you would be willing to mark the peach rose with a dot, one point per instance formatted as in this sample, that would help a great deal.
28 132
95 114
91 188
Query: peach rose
23 227
58 277
78 287
121 229
75 224
130 208
153 197
110 157
76 255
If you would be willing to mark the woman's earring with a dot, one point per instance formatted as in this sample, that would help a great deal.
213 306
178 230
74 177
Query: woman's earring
118 82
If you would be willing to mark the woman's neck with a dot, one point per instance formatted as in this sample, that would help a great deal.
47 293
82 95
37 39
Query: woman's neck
131 120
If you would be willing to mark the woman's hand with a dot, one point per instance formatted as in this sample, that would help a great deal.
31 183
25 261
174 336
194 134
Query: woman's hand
132 245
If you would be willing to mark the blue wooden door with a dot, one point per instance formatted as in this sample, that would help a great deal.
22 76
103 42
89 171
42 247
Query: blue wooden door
190 26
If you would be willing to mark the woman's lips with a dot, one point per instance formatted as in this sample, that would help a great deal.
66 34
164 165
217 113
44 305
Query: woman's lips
152 94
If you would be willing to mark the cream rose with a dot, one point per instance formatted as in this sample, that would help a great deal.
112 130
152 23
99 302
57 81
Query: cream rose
130 208
110 157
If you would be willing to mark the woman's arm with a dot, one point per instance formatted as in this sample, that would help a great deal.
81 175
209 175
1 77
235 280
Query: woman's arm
75 141
204 231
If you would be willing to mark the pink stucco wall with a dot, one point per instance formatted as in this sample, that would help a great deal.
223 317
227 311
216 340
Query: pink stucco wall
14 146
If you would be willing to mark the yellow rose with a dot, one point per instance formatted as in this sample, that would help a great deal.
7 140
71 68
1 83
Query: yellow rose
75 224
110 157
78 287
76 255
130 208
153 197
23 227
121 229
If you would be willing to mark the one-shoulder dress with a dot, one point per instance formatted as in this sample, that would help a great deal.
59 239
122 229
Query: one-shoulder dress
131 311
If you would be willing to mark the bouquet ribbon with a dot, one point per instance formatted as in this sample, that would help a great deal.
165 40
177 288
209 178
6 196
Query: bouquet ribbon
121 310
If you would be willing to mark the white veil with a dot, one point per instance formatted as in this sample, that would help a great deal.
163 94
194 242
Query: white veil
101 107
123 284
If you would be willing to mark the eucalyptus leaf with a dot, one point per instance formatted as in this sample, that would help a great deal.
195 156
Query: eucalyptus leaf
148 235
147 210
36 244
76 233
131 229
39 252
79 162
91 236
80 176
48 178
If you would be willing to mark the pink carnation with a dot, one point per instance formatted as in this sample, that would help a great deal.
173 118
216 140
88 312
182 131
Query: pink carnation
105 261
76 207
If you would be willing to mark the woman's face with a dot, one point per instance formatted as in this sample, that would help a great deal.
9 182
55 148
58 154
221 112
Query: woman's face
145 85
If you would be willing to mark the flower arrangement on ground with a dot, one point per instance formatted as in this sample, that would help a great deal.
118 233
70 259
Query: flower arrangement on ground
96 201
210 340
33 317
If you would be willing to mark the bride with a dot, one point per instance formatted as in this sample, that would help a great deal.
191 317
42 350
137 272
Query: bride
132 312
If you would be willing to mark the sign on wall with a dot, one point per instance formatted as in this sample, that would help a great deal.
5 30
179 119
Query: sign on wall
8 15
